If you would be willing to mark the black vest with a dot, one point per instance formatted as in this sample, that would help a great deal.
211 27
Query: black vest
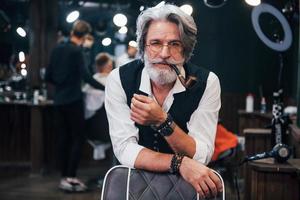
184 104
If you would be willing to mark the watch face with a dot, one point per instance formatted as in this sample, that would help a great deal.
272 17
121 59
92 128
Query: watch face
167 131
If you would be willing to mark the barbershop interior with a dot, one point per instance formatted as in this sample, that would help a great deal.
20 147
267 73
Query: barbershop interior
73 126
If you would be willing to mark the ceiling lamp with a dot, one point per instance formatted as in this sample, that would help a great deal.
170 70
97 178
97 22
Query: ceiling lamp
120 20
188 9
106 41
253 2
21 56
72 16
132 43
123 30
21 31
24 72
23 65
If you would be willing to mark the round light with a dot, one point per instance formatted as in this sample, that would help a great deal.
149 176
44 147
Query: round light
106 41
288 36
188 9
253 2
21 31
24 72
132 43
123 30
23 65
72 16
142 8
21 56
120 20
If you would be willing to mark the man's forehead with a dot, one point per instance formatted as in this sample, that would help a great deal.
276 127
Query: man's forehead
162 29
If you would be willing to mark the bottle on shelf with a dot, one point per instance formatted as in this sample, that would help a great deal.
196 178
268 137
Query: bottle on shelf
249 103
263 105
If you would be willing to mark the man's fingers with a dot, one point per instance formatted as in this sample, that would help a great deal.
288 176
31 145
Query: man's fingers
143 98
199 190
134 109
205 189
212 186
138 104
215 178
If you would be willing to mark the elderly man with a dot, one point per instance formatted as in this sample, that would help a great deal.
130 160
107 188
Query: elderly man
155 122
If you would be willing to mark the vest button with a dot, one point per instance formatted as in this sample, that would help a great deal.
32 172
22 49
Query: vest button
155 148
155 134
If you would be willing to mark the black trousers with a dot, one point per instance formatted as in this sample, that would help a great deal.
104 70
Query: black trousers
97 126
70 127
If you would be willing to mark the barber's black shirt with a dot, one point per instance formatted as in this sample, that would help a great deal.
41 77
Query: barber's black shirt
66 71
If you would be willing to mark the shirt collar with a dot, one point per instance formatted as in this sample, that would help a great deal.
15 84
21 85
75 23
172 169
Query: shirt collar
145 85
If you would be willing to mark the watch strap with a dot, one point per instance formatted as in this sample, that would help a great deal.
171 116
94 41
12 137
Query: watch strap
166 128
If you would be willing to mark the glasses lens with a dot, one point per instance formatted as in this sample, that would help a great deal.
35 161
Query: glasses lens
174 47
156 47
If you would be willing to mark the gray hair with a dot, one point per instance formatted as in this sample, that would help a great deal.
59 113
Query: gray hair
171 13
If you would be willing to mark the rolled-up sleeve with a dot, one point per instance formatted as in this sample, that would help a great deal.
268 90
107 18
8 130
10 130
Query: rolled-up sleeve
203 122
124 134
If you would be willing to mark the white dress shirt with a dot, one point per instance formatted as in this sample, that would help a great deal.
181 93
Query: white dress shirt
93 98
125 135
123 59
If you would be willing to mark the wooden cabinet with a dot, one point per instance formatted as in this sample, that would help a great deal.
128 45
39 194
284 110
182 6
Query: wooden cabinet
253 120
273 181
27 135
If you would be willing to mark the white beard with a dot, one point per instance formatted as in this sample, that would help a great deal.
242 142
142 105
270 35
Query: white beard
160 76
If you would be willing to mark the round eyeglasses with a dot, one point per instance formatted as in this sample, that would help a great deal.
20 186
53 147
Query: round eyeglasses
175 47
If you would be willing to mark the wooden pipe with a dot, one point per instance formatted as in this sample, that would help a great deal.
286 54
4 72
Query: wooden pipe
189 82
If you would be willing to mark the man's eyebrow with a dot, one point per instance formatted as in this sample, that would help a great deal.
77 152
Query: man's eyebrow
158 40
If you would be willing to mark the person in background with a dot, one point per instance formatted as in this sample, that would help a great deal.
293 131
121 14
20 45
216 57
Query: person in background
96 120
155 122
66 71
104 65
88 52
128 56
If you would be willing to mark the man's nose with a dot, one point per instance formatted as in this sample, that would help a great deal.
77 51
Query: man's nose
165 52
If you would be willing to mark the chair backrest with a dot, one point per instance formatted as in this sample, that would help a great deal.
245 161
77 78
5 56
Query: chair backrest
125 183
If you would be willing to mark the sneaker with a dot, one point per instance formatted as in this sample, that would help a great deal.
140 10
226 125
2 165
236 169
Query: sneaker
65 185
77 184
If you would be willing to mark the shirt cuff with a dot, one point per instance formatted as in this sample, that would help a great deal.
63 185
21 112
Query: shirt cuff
130 153
202 154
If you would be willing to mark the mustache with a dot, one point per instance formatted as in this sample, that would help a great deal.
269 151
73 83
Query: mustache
165 62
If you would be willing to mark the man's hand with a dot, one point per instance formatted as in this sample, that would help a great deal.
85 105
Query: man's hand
146 111
203 179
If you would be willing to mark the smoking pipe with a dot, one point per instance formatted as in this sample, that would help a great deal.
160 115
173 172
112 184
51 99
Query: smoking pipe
189 82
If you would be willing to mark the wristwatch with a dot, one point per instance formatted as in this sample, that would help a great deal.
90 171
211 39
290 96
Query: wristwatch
166 128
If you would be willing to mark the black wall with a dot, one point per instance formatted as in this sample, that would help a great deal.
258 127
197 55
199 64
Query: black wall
228 45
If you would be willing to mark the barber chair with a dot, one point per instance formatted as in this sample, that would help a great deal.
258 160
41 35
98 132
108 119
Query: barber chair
125 183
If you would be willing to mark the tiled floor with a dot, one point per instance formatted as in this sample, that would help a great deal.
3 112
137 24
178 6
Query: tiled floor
25 186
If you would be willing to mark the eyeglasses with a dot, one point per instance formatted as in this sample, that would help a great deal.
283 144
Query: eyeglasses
175 47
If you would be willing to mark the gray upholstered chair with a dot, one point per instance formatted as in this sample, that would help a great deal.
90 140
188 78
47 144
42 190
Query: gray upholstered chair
124 183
